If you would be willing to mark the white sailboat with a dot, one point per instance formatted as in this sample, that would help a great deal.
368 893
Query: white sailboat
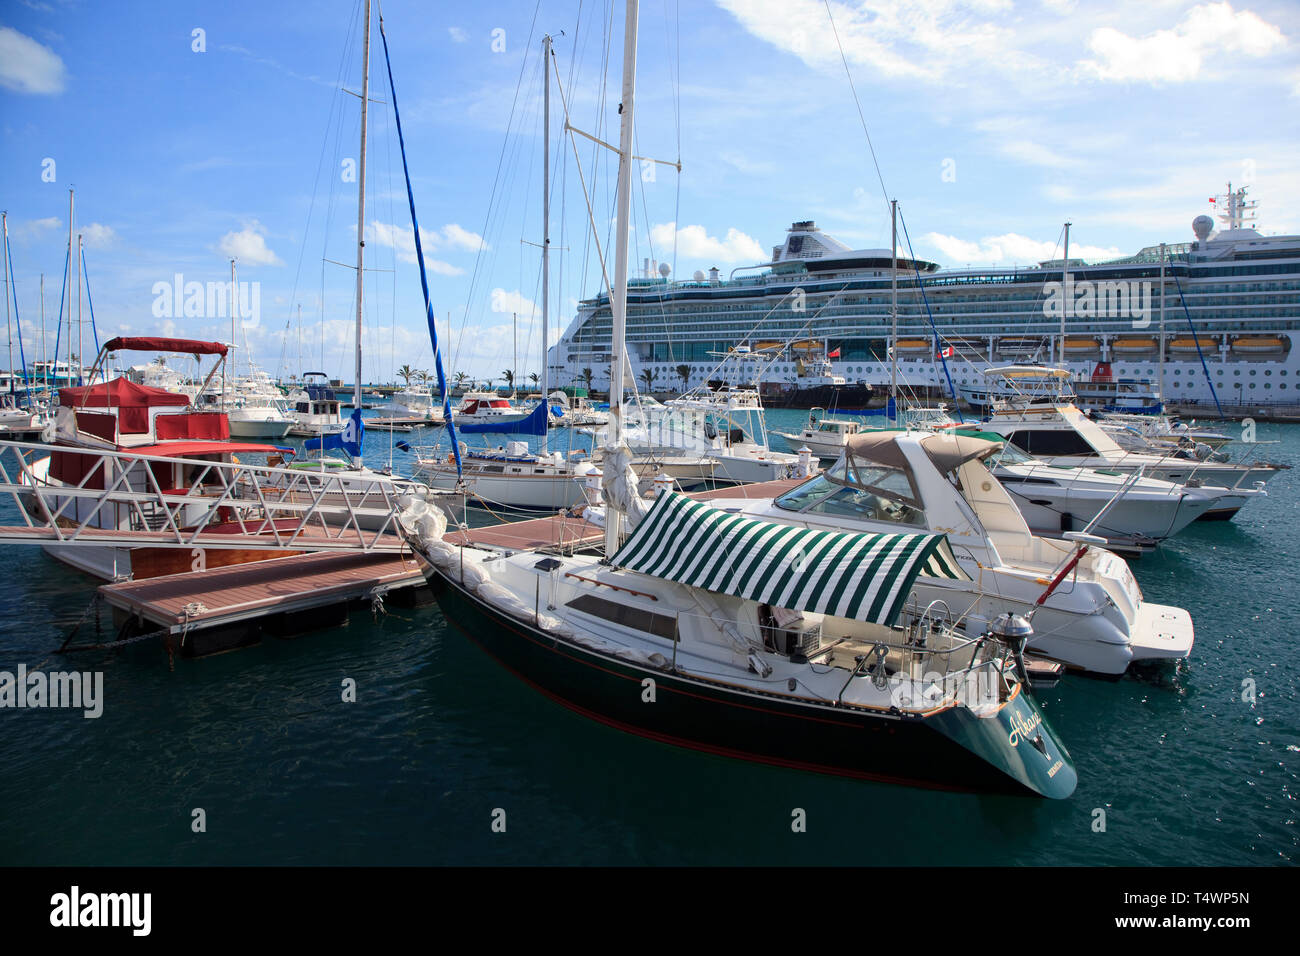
763 668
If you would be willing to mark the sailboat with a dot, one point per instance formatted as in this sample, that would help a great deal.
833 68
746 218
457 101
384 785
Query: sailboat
739 637
512 475
364 489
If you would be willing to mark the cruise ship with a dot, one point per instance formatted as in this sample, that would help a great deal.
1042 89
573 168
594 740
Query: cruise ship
1230 298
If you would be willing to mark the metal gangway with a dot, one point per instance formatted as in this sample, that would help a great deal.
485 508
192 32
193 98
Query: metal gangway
254 505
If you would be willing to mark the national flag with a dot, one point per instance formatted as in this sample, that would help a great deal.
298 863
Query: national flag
946 353
835 354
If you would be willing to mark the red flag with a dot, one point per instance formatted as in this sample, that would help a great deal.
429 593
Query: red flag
949 352
835 354
1212 199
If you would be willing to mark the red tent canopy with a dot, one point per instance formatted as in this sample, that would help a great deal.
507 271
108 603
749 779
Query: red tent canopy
143 344
119 393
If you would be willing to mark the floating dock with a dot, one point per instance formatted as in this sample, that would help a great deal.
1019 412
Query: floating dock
221 609
225 608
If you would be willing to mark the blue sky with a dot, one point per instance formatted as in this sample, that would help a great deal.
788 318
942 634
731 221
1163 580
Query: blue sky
993 121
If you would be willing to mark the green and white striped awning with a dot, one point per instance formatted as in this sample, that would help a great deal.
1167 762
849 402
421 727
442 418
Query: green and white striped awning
846 574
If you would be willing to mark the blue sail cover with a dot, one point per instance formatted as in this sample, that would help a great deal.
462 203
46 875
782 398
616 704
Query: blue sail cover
534 424
348 440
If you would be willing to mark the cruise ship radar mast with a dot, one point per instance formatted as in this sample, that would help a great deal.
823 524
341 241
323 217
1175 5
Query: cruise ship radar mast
1234 210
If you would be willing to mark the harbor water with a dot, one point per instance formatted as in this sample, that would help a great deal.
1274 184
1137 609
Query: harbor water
1194 764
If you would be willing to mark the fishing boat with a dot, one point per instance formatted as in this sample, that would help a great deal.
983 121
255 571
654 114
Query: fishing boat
824 437
316 407
712 631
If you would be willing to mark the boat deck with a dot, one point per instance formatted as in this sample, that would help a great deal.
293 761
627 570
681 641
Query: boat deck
558 531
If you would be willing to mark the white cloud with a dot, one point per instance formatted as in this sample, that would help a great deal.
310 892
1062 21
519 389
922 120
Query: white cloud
1177 55
917 39
402 240
249 246
36 227
513 303
28 66
97 234
458 35
694 242
454 237
441 268
1010 248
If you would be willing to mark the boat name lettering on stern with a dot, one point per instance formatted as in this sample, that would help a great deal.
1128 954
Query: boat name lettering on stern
1021 728
57 689
130 910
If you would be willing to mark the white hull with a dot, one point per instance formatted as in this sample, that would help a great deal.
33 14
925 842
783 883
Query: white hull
532 492
253 428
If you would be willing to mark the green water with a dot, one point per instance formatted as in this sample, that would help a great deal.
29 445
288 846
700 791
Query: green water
440 737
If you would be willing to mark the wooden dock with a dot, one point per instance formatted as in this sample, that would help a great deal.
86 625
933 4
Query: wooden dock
230 607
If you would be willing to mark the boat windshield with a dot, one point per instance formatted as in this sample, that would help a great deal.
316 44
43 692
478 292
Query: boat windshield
868 491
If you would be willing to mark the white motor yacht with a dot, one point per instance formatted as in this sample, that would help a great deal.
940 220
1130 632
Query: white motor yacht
1086 607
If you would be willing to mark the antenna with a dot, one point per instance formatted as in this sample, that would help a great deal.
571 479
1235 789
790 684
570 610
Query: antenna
1234 210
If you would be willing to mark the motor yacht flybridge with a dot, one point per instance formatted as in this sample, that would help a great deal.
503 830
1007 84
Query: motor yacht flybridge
1085 605
745 637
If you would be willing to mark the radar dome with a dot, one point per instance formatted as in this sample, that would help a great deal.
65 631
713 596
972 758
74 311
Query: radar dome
699 276
664 269
1202 226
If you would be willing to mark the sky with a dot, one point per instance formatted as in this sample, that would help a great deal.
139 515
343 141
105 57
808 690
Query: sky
198 132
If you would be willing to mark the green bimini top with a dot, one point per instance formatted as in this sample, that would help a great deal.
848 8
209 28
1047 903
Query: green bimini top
856 575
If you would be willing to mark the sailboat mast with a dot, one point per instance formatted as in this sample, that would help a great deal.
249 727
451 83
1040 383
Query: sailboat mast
81 351
546 230
4 218
361 210
231 363
1068 292
44 356
618 300
71 209
893 308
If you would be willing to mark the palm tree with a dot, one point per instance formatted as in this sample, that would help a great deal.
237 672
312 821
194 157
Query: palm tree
684 373
406 373
534 378
649 377
587 375
508 376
